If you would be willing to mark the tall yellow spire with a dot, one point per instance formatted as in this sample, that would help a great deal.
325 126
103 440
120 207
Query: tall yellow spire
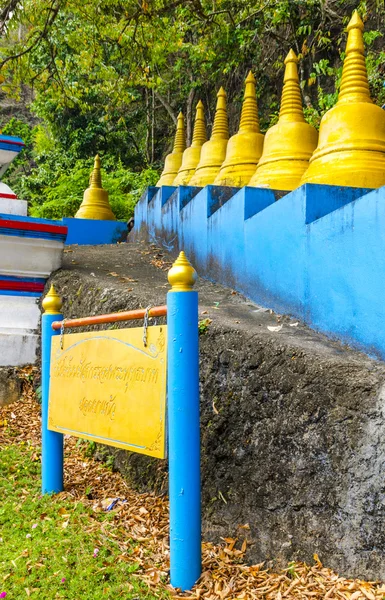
290 143
192 154
249 115
173 160
354 83
95 203
291 101
244 149
351 148
214 151
221 125
199 134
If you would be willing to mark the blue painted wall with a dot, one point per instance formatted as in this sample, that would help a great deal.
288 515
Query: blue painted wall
317 253
86 232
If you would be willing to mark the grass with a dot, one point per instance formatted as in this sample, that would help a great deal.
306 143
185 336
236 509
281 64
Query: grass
57 548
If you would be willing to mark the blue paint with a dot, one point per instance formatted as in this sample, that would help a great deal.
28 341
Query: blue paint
6 143
346 272
52 442
44 235
155 209
168 236
18 293
30 220
193 226
92 232
24 279
317 253
324 199
142 206
184 440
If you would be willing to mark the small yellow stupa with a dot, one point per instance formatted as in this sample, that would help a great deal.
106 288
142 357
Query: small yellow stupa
95 203
174 159
290 143
213 152
244 149
192 154
351 148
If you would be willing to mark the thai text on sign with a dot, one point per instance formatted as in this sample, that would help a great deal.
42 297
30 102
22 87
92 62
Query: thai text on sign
108 387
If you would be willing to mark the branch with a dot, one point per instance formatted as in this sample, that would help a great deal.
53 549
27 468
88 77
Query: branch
167 106
52 14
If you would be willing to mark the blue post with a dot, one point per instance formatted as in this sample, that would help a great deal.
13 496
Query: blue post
183 426
51 442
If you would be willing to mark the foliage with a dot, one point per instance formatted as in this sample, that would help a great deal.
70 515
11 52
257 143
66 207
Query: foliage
63 197
203 326
111 77
52 548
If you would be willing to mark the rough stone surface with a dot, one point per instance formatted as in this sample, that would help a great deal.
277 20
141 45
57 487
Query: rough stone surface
293 451
10 385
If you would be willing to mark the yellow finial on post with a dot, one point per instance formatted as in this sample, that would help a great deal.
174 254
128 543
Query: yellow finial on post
173 160
244 149
351 148
213 152
192 154
182 275
52 303
290 143
95 203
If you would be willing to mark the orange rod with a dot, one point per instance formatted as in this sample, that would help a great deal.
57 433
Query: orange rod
129 315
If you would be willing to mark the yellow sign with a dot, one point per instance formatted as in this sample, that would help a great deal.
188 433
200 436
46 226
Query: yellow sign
108 387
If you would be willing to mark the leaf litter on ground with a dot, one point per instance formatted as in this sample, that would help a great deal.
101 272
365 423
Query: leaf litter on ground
139 527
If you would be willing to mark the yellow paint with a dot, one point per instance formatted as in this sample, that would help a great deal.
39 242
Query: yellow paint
52 303
351 148
107 387
182 275
244 149
174 159
192 154
290 143
95 203
213 152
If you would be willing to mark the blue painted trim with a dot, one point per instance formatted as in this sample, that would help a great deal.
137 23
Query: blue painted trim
52 446
184 439
30 220
32 234
14 138
17 293
26 279
11 147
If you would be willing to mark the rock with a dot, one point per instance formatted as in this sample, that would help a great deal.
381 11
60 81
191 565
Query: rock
10 385
293 450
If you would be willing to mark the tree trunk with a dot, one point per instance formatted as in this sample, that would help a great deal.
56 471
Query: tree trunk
189 117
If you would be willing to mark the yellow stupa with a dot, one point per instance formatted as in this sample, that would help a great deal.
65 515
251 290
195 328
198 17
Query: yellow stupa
290 143
244 149
213 152
174 159
351 148
95 203
192 154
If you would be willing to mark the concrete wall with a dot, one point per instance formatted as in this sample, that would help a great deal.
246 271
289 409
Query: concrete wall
317 253
30 249
90 232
